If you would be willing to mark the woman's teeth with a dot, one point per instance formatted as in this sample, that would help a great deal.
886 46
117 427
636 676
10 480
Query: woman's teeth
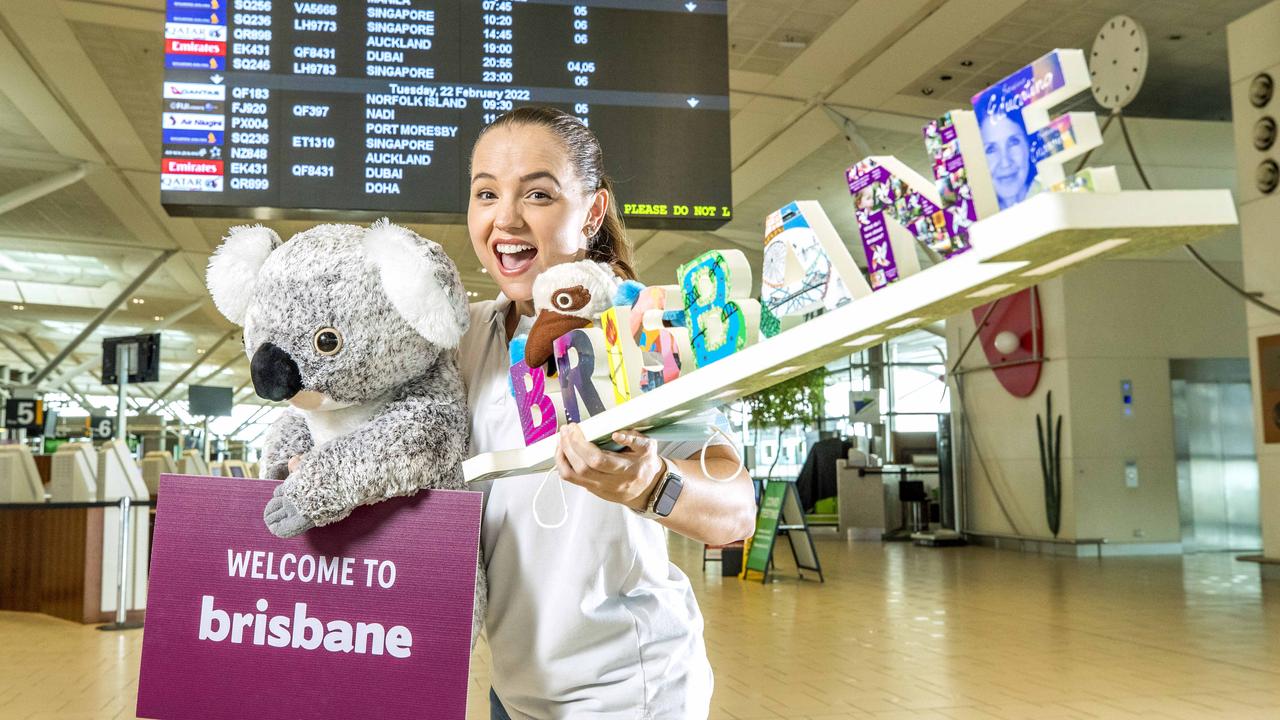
514 256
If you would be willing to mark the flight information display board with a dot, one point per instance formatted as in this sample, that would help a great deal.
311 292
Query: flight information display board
278 108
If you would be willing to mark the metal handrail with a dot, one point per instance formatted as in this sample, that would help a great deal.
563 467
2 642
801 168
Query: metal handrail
73 505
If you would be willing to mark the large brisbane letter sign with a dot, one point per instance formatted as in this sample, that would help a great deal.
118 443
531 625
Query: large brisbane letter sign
1000 214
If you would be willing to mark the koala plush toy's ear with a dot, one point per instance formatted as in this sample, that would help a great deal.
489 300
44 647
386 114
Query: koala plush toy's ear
233 269
421 282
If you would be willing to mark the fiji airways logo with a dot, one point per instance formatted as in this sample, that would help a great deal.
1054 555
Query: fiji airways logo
194 91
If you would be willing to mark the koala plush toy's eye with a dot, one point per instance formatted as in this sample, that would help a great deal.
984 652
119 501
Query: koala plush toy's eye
327 341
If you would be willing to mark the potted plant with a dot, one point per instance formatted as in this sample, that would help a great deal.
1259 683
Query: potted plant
799 400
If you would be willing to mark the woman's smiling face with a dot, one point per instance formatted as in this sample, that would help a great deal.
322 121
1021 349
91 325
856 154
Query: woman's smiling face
1008 158
528 210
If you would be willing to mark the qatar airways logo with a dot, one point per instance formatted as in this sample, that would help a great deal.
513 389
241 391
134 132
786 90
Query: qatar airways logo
193 31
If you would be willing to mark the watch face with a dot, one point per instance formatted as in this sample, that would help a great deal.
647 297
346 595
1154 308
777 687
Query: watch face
671 487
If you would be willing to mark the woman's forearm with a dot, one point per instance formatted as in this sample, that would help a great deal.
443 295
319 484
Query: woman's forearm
711 511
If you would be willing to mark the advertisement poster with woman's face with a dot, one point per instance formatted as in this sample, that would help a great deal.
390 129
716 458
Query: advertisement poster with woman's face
1011 151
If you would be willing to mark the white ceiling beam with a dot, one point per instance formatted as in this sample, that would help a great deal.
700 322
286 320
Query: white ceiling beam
36 190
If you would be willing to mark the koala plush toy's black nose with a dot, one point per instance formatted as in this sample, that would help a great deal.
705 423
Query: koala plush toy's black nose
275 374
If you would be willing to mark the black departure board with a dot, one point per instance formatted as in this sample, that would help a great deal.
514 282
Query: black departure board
317 109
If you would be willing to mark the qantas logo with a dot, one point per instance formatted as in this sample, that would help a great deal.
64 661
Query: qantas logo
195 91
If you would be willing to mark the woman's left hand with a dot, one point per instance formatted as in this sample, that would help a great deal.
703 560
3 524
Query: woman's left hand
626 477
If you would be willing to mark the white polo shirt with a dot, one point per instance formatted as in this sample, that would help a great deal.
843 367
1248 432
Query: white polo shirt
589 620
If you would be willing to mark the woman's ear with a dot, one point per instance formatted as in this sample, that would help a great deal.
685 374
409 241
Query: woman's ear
596 212
233 269
421 282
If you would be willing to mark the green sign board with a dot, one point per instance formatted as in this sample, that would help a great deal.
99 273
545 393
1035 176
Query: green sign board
767 526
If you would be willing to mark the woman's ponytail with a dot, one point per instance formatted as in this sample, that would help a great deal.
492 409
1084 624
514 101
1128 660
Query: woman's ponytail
609 244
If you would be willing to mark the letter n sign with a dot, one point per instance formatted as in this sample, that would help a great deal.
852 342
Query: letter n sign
896 208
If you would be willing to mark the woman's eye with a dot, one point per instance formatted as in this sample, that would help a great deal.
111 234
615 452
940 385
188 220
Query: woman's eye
486 195
539 195
327 341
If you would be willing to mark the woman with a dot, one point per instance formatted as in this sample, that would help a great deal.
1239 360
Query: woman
1008 152
588 619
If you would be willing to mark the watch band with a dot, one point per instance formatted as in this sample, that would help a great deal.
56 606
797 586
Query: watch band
663 498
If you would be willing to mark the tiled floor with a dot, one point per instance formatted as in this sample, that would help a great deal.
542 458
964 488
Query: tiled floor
895 632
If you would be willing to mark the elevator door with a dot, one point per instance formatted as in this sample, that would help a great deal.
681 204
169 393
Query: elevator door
1217 467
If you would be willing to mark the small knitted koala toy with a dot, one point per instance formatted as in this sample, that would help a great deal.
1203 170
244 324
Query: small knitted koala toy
356 329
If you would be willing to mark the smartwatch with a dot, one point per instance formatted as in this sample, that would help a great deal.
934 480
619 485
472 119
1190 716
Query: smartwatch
663 499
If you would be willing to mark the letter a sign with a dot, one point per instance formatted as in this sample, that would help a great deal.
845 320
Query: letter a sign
368 617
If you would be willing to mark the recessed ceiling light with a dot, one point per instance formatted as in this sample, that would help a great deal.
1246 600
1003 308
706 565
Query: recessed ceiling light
19 307
926 91
904 323
484 270
863 340
990 290
1075 257
157 318
199 351
138 301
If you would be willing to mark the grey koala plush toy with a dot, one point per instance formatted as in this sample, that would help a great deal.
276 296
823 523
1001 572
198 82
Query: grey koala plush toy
356 329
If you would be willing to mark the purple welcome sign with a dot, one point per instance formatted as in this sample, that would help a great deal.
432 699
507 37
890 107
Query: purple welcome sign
368 617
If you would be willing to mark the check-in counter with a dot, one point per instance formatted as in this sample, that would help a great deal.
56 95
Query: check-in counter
155 464
60 557
192 463
19 479
51 562
74 473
